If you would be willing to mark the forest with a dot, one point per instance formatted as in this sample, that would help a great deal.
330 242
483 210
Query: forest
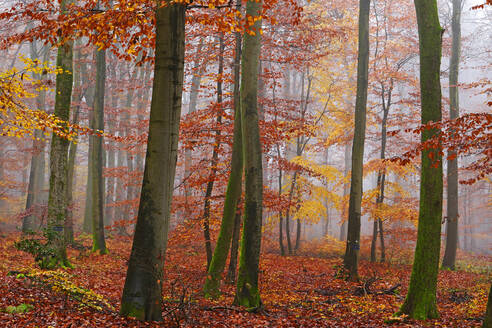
246 163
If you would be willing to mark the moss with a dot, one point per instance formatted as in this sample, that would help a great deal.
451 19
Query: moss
131 310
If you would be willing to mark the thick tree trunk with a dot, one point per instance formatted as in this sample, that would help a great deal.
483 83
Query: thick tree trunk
487 321
229 226
142 294
57 200
448 262
351 258
420 302
248 293
231 272
97 162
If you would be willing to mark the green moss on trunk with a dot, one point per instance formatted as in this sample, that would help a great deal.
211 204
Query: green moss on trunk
420 302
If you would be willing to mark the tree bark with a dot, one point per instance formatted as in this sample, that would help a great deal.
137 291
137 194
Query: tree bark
229 226
247 293
231 273
143 286
448 262
346 191
57 199
487 321
420 302
97 162
351 258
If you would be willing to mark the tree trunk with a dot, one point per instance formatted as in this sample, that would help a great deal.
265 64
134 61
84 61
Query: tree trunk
97 162
215 157
247 293
449 259
351 258
229 226
346 190
57 200
487 321
36 175
231 273
420 302
142 294
195 89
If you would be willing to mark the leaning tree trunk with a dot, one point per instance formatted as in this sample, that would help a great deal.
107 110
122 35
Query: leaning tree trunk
420 302
57 200
97 162
487 321
452 204
248 293
351 258
142 294
233 193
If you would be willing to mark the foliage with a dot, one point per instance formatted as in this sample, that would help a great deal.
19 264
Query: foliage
296 291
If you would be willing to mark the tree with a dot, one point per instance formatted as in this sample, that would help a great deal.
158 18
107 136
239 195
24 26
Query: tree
487 321
420 302
452 203
57 200
143 287
351 257
247 293
233 192
96 161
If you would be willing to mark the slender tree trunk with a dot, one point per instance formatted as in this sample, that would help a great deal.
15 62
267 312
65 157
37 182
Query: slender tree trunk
97 162
351 258
374 239
420 302
143 286
229 226
89 97
346 190
57 200
195 89
248 293
215 158
449 259
36 175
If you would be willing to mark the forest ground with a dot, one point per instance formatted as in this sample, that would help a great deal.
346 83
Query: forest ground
297 291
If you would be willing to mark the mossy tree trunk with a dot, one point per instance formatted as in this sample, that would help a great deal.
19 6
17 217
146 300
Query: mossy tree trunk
97 160
487 321
420 302
449 259
57 199
248 293
233 193
231 272
351 258
142 294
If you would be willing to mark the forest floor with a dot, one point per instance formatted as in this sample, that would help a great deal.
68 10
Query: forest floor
297 291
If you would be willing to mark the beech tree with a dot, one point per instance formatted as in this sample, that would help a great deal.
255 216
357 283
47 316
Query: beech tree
452 212
57 200
248 293
351 257
143 287
420 302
